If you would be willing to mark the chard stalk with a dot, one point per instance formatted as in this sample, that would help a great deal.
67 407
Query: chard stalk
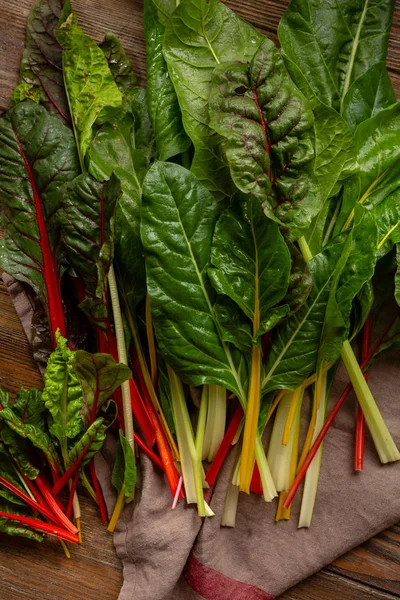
216 420
311 482
251 422
122 357
384 444
189 451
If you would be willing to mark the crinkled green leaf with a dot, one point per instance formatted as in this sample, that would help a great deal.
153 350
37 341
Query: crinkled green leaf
91 442
164 110
251 263
37 157
9 472
124 470
200 35
178 218
99 376
368 95
41 75
267 126
333 43
87 229
91 89
118 62
62 393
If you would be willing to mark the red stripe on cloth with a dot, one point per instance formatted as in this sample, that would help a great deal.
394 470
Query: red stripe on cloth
214 585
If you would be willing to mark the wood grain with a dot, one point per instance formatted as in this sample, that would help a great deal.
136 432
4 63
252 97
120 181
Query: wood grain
35 571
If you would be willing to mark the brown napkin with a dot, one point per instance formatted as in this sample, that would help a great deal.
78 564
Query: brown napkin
172 555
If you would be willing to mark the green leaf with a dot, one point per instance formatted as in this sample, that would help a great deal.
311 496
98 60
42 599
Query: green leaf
234 326
129 256
37 157
334 149
91 89
62 393
200 35
300 282
8 470
377 182
333 43
164 392
11 527
87 228
91 442
118 62
267 126
252 263
178 219
368 95
397 276
355 267
362 306
295 343
124 471
99 376
41 76
164 110
21 451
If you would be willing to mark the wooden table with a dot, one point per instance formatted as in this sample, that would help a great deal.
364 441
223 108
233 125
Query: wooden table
39 571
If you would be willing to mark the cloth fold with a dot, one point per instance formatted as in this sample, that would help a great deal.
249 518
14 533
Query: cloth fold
173 555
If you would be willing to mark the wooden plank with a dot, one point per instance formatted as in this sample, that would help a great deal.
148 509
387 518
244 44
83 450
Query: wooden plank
31 571
330 586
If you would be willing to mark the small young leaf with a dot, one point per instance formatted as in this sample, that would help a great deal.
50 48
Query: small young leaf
124 471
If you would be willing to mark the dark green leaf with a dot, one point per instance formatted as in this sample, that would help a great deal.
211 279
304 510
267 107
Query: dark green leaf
252 263
333 43
178 219
234 326
163 104
99 376
355 267
21 450
397 276
124 471
41 76
300 282
296 341
200 35
118 62
37 157
368 95
87 228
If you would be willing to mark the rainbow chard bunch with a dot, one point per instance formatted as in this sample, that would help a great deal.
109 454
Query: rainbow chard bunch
221 236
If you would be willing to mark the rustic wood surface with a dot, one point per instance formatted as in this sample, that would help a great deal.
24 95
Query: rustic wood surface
35 571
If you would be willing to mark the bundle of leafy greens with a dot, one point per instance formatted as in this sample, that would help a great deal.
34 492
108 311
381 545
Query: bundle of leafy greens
220 237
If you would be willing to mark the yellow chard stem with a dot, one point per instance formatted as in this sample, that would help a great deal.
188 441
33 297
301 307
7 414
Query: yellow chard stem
251 423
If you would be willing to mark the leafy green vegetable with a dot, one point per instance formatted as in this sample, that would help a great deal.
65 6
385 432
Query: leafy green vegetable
267 124
118 63
252 263
124 471
41 77
91 90
332 44
99 376
62 393
87 227
37 157
200 35
88 445
163 104
368 95
178 219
